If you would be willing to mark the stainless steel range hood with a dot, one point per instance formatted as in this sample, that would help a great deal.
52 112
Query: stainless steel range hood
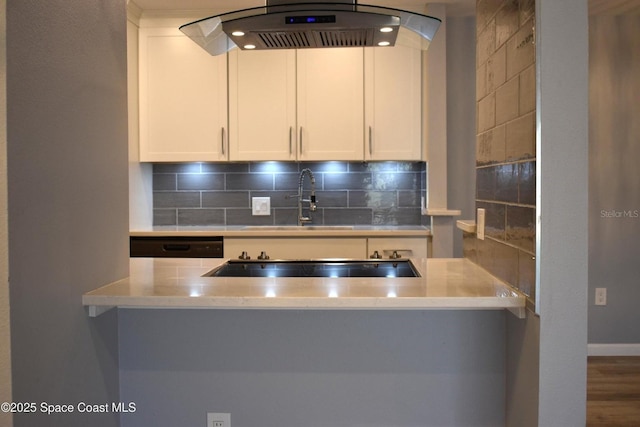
284 25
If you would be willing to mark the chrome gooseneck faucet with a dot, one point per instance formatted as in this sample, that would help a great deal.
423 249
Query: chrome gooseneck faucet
312 197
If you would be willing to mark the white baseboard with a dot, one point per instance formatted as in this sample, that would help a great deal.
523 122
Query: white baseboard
613 349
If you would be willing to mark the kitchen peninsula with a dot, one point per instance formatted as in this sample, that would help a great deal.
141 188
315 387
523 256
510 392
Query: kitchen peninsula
453 284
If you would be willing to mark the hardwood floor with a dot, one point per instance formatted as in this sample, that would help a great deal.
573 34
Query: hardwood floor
613 391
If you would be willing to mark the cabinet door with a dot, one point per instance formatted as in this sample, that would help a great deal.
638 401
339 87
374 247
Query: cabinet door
393 96
262 105
183 99
296 248
330 104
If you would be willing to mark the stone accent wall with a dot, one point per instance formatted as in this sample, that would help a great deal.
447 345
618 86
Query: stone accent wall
506 141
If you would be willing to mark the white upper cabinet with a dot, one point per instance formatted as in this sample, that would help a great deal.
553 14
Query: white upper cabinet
183 99
349 104
262 105
330 104
304 105
393 103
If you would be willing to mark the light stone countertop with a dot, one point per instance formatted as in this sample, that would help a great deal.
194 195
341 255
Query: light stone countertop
286 231
453 284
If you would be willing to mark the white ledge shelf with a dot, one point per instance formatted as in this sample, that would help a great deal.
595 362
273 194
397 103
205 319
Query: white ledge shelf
467 225
446 284
441 212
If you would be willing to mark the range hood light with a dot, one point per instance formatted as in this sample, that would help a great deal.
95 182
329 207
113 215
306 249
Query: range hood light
300 24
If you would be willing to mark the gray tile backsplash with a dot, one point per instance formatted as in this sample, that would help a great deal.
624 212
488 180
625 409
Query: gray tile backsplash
349 193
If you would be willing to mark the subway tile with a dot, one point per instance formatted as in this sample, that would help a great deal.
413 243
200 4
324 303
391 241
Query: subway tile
245 217
527 274
176 168
507 21
491 146
520 50
409 166
494 219
395 181
486 113
189 217
273 167
203 183
499 259
346 181
165 182
527 9
507 183
395 216
332 199
481 81
357 216
496 70
521 138
507 101
165 217
486 183
224 167
409 199
521 227
527 183
289 181
485 12
528 90
247 181
176 199
289 216
225 199
469 246
200 181
486 43
320 167
373 199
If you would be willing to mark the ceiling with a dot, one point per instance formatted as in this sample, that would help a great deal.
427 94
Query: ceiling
454 7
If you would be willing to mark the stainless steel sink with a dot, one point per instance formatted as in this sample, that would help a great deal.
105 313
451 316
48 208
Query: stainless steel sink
297 227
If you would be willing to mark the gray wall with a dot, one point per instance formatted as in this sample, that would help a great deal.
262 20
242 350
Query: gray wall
614 177
313 368
68 219
5 336
461 119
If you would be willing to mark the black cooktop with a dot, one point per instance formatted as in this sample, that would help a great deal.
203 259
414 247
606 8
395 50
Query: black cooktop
315 268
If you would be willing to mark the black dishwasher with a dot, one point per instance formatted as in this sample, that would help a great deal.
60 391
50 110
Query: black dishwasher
176 247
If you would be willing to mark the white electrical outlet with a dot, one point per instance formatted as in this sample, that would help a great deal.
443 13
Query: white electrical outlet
261 206
480 224
601 296
218 419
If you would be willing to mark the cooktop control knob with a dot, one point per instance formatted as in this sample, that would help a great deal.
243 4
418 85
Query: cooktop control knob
263 255
395 255
375 255
244 255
